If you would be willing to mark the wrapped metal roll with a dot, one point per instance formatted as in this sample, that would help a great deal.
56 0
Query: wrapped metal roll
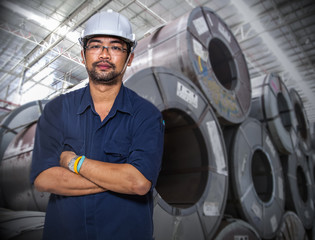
299 189
311 164
21 225
191 191
17 191
236 229
301 124
13 123
16 120
256 192
201 46
271 104
313 137
291 228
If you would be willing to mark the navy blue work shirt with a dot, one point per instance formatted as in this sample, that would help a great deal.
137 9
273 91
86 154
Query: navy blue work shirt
132 132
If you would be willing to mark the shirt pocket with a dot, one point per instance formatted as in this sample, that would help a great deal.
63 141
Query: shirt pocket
73 145
116 152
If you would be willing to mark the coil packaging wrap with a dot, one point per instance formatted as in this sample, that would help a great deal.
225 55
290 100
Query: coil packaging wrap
299 187
301 124
271 104
191 191
256 177
200 45
18 193
236 229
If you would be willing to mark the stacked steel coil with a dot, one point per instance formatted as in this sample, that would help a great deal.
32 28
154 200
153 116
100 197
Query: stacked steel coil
238 161
201 46
194 157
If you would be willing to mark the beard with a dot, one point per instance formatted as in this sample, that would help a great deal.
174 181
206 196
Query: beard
102 77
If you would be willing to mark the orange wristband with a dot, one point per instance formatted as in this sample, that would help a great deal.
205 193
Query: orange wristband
76 164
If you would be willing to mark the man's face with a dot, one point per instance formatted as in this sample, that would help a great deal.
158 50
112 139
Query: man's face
105 65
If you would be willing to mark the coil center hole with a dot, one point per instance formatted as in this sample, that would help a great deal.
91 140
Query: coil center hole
302 126
302 183
284 111
262 176
223 64
184 172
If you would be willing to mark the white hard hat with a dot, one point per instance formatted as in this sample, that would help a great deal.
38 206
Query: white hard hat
109 23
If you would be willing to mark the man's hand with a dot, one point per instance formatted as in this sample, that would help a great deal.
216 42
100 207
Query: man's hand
65 158
60 180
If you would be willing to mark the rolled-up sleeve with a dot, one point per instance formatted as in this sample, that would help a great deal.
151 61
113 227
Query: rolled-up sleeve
48 139
147 144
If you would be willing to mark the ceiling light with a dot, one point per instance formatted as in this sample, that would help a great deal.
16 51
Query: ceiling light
46 22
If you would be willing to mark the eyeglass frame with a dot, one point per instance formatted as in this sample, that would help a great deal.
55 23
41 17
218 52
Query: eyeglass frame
100 48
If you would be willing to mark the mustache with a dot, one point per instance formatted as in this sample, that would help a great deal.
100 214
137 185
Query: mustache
104 61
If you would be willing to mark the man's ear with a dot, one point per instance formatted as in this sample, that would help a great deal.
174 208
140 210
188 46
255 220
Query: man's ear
83 58
130 59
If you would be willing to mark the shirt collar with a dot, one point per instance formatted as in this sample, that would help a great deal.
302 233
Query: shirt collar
122 102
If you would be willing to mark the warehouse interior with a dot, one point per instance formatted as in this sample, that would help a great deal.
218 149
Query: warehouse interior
40 54
40 59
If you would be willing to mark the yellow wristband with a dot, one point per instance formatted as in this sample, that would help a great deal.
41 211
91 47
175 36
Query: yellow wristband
76 164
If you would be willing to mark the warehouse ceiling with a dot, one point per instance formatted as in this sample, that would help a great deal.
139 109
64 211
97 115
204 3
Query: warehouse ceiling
40 54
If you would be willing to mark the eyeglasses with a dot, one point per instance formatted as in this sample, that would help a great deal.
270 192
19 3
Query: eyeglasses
112 50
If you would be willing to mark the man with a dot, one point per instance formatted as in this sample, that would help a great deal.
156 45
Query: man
98 149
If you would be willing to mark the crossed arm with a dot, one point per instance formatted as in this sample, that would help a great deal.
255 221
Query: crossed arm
95 176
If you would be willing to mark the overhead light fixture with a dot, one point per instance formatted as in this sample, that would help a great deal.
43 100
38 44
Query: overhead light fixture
46 22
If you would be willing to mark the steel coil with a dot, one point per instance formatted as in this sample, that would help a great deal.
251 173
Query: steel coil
17 191
256 192
16 120
21 225
13 123
271 104
311 164
301 124
201 46
291 228
191 191
313 137
299 189
236 229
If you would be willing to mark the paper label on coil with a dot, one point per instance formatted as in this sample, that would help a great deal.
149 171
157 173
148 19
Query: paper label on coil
271 146
199 51
281 190
257 211
244 162
187 95
200 25
224 32
209 19
150 58
274 223
211 209
216 146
